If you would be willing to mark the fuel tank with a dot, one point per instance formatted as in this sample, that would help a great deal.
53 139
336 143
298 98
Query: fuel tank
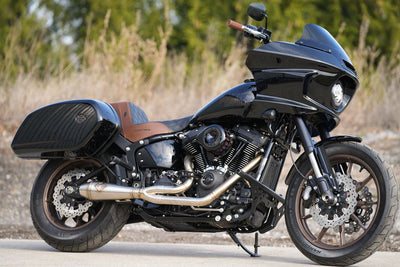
234 103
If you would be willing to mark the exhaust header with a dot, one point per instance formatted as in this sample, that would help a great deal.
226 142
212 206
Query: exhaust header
157 194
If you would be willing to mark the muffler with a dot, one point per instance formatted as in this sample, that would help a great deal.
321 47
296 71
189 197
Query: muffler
157 194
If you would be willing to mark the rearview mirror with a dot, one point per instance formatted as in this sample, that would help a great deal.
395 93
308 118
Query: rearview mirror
256 11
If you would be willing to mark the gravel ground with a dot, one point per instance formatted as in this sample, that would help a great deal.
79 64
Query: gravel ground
17 176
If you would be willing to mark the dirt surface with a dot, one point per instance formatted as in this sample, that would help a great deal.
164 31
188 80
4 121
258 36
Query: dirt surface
17 176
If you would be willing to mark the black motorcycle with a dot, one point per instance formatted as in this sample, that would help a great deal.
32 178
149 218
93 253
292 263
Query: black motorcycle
218 170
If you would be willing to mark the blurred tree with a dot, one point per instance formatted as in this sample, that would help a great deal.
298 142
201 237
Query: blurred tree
87 18
199 26
343 19
11 13
25 43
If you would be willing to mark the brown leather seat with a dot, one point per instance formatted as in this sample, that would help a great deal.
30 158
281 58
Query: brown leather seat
135 125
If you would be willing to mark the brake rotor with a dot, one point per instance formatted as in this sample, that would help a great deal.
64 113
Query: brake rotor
65 205
363 213
332 216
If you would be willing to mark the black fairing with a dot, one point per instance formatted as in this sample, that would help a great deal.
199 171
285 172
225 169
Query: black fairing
71 129
304 72
293 78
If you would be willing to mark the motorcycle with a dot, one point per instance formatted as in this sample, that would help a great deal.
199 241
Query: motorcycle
218 170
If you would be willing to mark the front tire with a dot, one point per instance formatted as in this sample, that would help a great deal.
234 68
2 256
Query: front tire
73 224
370 222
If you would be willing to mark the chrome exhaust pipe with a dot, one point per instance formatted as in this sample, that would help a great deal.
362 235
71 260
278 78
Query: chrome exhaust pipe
156 194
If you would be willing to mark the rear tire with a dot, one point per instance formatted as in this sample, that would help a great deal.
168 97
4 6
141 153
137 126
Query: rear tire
370 222
73 224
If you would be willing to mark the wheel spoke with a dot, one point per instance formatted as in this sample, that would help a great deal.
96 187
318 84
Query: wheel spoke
366 203
79 221
305 217
342 235
358 221
59 216
92 213
363 183
349 168
322 233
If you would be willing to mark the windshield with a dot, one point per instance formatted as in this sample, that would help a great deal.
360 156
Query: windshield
315 36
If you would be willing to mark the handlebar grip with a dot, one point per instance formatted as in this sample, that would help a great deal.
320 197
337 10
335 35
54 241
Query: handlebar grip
235 25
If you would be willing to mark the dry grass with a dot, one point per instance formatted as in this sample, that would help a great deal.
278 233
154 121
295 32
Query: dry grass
377 103
127 68
168 85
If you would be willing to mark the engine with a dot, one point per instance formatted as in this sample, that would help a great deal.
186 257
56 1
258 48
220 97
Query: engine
217 152
213 153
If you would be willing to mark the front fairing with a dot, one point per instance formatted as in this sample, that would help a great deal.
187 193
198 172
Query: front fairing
291 78
317 37
316 49
303 73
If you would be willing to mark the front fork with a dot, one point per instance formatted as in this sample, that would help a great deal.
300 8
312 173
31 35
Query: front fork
324 182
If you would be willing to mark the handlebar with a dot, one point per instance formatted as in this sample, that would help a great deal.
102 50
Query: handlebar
247 29
235 25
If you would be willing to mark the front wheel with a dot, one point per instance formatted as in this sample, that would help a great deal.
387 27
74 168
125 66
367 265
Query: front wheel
68 223
357 225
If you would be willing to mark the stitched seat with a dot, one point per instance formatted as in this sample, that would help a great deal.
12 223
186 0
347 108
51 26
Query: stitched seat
136 126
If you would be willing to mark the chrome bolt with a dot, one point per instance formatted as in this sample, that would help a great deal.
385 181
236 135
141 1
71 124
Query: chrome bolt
69 190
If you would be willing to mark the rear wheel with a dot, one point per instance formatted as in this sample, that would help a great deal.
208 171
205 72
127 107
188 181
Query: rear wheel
359 222
73 223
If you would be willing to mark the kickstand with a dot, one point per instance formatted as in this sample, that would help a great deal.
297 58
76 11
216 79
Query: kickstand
240 244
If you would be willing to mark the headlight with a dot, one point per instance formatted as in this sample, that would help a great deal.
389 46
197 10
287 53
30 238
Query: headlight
337 95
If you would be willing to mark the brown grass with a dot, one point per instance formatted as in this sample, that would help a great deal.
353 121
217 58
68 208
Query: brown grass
377 103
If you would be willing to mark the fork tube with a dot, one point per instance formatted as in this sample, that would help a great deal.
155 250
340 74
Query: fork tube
308 145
